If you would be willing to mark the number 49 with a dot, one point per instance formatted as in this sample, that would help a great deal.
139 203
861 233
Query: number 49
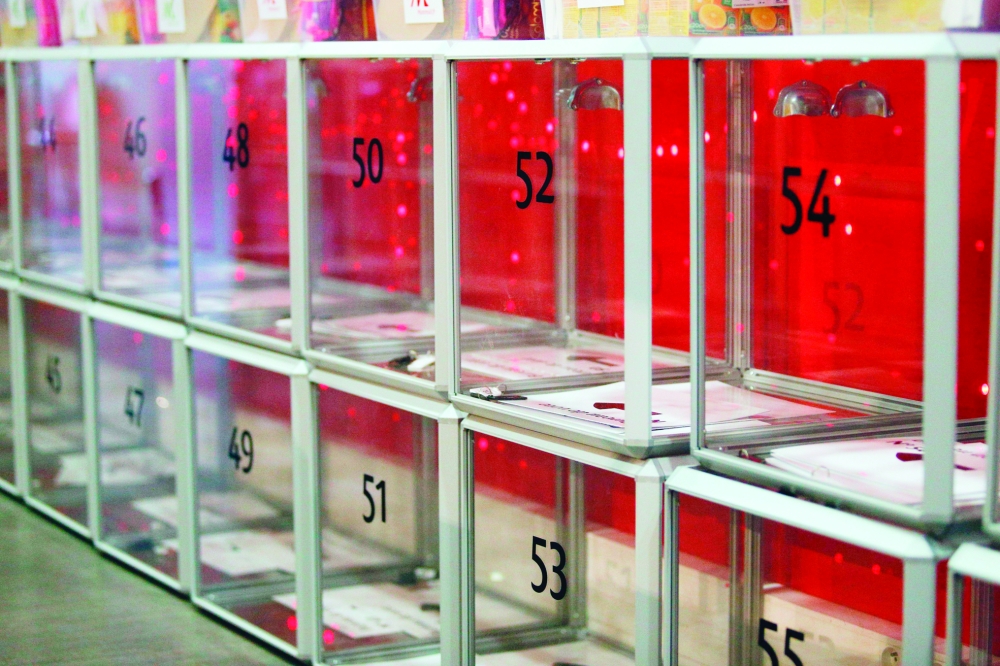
789 635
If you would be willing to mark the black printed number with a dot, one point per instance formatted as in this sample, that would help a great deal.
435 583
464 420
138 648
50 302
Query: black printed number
374 147
380 486
830 289
790 634
241 450
47 133
135 398
241 155
135 143
52 375
824 217
557 569
542 196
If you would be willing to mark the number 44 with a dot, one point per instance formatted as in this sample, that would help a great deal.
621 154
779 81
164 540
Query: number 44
789 635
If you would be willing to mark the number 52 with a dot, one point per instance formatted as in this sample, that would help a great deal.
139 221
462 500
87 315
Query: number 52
789 635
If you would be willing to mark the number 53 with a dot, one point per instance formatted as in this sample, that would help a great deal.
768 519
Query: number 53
789 635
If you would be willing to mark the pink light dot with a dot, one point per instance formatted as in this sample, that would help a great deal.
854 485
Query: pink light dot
400 137
428 149
876 569
674 150
494 77
739 327
137 338
356 266
687 262
328 637
401 210
773 264
522 108
396 417
831 338
483 444
351 412
770 93
515 195
515 257
401 159
161 155
523 464
659 151
509 306
514 142
231 112
510 95
164 229
980 246
848 229
585 146
595 317
292 623
232 190
507 66
838 558
163 79
621 153
491 125
238 237
550 127
240 274
836 181
898 130
755 116
708 137
985 389
398 252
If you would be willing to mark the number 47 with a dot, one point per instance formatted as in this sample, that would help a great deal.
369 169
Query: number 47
789 635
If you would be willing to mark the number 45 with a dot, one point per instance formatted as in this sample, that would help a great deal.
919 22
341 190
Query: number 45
789 635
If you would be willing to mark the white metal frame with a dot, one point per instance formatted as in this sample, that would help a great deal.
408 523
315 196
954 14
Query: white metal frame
919 553
942 55
459 643
982 565
182 452
8 289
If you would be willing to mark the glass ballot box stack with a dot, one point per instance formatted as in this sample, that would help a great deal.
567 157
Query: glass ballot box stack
370 199
845 220
58 384
758 577
142 415
250 407
565 548
9 453
140 262
239 200
973 593
552 187
379 591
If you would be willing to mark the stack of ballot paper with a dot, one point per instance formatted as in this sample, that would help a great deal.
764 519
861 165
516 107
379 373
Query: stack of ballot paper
887 468
726 406
388 326
540 362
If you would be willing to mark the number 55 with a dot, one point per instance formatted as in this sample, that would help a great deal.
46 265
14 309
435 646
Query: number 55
789 635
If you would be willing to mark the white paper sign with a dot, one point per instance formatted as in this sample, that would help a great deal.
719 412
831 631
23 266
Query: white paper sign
424 11
244 553
84 18
270 10
389 326
18 13
592 4
363 611
170 16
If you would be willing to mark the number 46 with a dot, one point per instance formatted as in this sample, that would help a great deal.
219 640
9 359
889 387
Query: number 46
789 635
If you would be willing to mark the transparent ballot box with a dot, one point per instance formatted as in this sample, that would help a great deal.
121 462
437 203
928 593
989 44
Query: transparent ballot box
141 409
762 578
247 404
371 218
566 546
239 199
137 148
56 386
847 213
543 180
973 594
49 120
9 453
379 593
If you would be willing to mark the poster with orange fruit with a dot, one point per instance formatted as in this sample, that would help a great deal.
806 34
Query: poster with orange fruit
713 17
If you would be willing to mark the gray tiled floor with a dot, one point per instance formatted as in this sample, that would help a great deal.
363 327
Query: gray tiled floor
63 603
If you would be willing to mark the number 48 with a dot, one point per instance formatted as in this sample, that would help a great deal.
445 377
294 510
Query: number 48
789 635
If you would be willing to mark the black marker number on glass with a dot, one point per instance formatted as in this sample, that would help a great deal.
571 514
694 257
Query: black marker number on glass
135 398
135 144
241 155
790 634
241 450
557 569
47 135
830 290
380 486
52 375
543 196
374 148
824 217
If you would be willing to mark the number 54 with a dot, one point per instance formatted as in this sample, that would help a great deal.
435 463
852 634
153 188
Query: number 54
789 635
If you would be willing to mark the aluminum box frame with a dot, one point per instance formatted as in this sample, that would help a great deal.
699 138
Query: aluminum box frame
9 286
979 563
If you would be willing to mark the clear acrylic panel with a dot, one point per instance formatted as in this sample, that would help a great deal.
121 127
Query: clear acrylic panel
54 358
749 587
981 624
554 558
243 440
138 441
239 191
137 143
378 480
50 169
6 249
826 257
6 389
372 211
